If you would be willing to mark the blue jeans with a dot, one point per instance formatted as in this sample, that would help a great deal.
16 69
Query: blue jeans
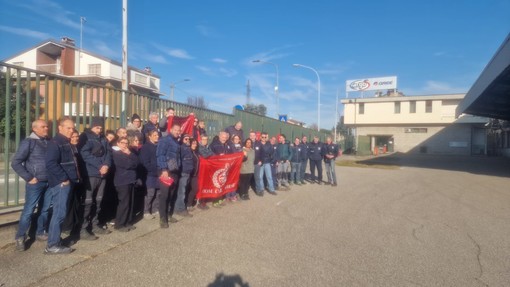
256 175
35 194
180 205
60 195
303 169
265 169
295 173
330 171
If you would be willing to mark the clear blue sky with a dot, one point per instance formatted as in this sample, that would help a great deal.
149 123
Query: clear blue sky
433 47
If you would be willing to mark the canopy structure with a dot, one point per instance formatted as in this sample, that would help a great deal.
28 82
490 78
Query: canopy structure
490 94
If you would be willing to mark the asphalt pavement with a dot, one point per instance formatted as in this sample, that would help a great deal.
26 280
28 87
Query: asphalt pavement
423 221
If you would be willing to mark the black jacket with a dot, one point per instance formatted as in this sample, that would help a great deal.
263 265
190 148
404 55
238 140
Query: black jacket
263 153
186 159
219 148
125 168
95 152
30 158
305 147
316 151
61 164
148 159
330 149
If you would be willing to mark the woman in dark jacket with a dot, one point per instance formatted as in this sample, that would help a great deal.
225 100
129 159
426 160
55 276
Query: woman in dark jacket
149 162
126 164
193 175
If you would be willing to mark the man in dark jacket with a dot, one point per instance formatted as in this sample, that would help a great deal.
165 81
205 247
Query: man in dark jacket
186 169
263 158
168 160
152 124
220 145
236 130
316 152
295 162
29 164
62 170
95 153
284 156
305 147
149 162
331 152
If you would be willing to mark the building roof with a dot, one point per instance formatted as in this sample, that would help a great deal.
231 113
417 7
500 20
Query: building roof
490 94
62 45
405 98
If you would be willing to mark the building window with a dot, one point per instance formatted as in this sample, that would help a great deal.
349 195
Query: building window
415 130
140 79
397 107
428 106
412 107
95 69
361 110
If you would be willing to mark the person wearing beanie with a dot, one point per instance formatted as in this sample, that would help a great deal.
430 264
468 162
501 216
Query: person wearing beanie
134 128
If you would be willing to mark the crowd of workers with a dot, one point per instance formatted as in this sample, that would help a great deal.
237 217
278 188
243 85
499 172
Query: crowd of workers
99 180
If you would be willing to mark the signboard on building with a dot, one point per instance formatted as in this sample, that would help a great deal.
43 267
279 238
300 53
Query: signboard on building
371 84
282 118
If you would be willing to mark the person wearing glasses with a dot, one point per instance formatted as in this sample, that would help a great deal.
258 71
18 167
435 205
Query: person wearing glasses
263 158
126 164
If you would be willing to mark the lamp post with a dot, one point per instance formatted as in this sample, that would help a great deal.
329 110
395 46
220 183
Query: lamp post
172 87
82 20
318 94
276 87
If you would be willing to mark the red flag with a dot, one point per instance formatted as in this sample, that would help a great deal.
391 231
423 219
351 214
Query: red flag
219 175
186 123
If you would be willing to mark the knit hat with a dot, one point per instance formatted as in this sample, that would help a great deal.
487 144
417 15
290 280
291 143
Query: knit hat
134 117
97 122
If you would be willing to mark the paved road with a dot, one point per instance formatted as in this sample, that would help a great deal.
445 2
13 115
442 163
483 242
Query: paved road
408 226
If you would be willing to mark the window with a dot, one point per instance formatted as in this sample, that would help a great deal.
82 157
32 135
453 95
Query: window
416 130
95 69
361 110
428 106
412 107
397 107
141 79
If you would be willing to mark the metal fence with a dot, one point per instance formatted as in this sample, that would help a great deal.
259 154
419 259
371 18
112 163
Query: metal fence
26 95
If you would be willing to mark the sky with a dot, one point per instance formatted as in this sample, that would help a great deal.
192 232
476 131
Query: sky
432 47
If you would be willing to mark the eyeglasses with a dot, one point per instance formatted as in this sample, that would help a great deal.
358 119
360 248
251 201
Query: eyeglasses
185 139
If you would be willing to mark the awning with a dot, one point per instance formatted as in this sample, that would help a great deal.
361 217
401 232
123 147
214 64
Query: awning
490 94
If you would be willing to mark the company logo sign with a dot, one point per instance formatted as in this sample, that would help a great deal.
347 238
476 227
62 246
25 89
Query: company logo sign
371 84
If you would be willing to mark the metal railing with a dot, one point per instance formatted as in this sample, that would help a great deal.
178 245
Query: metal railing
30 94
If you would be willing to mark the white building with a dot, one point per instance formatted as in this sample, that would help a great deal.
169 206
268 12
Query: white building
64 58
414 124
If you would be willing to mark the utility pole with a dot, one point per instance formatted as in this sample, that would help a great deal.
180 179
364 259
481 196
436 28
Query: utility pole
82 20
123 117
248 93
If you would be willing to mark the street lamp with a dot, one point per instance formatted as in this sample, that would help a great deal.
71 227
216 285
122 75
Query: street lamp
318 94
172 87
276 87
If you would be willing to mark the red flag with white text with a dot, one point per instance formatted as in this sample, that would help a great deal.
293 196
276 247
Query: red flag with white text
219 175
186 123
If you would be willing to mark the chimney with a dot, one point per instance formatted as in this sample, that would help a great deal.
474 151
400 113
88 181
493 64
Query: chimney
67 41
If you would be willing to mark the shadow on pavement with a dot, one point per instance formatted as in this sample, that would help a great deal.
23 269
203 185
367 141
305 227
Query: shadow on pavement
492 166
223 280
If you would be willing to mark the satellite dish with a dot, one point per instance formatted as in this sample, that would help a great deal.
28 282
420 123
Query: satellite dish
239 107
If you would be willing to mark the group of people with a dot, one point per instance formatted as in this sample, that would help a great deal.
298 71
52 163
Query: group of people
72 173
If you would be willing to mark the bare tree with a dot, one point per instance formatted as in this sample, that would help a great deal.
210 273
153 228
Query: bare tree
197 101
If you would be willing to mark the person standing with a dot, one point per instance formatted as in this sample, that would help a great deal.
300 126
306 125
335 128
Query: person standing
126 164
194 175
63 174
247 170
284 156
263 158
275 161
152 124
95 153
149 162
29 164
168 158
187 167
295 162
316 152
331 152
305 147
236 129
